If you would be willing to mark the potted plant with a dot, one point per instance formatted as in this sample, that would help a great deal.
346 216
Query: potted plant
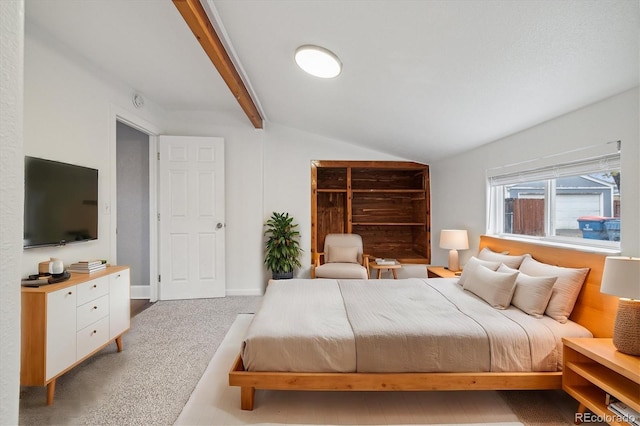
282 246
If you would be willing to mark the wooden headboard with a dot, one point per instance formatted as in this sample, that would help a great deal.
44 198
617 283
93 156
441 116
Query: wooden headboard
594 310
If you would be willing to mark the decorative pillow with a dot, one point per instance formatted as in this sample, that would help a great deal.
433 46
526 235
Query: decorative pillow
565 290
472 264
532 294
339 254
509 260
496 288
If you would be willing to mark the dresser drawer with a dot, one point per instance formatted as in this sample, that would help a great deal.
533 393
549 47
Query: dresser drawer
92 337
93 289
92 311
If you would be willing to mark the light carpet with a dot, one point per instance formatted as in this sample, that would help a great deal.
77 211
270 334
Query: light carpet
165 353
214 402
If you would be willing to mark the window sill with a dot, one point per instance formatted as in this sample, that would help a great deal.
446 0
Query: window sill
591 248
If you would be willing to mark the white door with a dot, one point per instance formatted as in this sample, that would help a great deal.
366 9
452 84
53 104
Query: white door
192 231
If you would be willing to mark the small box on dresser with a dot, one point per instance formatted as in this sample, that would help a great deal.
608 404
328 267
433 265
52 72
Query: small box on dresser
65 323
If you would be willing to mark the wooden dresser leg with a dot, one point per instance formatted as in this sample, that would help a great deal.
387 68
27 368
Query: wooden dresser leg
247 396
51 390
119 343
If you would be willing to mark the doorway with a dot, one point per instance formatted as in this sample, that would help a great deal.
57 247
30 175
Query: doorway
133 207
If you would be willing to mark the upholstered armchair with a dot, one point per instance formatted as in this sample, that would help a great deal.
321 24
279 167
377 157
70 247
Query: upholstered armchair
342 258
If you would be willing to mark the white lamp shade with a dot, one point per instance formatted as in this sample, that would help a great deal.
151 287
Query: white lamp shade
454 239
621 277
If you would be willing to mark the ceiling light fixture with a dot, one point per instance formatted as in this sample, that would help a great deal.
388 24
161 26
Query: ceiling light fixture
318 61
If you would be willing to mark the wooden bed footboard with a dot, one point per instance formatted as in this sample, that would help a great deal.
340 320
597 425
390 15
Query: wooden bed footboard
594 311
249 381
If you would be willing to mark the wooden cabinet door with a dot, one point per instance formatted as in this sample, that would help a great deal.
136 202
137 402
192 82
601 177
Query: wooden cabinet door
61 330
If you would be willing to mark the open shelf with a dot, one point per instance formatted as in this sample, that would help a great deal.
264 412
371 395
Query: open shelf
386 202
608 381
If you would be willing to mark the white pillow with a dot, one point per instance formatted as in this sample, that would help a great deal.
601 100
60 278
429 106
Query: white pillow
339 254
565 290
532 294
509 260
496 288
472 264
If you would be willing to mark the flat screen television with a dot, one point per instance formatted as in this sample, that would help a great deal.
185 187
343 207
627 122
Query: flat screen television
60 203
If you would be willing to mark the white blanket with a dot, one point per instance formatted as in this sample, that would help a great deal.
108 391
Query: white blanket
412 325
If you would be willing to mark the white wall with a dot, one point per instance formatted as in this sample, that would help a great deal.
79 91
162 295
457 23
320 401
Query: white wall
69 117
458 184
287 175
11 203
266 170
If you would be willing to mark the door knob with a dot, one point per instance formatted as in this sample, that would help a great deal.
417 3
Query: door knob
219 225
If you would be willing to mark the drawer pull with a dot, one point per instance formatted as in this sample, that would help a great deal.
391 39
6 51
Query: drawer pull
95 307
95 286
95 332
70 293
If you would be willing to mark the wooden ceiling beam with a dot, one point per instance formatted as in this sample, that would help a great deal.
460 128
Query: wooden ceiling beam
196 18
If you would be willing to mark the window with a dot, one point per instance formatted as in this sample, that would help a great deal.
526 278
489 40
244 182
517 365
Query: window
574 201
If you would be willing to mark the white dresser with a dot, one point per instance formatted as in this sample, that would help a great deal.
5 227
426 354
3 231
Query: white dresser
65 323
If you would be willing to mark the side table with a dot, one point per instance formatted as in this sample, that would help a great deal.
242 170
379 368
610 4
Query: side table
440 272
374 265
593 369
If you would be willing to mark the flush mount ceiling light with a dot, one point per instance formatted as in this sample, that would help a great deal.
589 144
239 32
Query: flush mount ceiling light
318 61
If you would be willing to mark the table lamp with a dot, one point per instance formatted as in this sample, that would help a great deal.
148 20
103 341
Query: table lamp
621 277
454 240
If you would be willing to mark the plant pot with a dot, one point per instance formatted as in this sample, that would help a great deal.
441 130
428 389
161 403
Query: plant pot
282 275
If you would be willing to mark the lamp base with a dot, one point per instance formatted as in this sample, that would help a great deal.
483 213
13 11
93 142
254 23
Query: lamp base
454 262
626 335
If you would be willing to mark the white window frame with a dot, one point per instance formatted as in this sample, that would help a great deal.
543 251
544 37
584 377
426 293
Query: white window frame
590 160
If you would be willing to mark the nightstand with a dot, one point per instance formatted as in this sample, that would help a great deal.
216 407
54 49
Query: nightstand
593 368
440 272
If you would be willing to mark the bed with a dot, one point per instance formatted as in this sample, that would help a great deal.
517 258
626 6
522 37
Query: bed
355 358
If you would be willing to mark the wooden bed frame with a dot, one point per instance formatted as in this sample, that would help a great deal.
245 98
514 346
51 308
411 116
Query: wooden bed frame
594 311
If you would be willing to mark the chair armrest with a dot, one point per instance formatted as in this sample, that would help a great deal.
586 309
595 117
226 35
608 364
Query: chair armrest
365 263
315 264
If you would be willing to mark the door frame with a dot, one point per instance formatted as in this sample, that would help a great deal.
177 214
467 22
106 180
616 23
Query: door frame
117 114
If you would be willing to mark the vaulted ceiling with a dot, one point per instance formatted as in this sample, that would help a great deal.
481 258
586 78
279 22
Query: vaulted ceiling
421 79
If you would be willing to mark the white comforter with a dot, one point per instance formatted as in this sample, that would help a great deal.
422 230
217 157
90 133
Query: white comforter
412 325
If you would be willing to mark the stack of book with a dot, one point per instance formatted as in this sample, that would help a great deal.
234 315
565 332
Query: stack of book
622 410
380 261
87 266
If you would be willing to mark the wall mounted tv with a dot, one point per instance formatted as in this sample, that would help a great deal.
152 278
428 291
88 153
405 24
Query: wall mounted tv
60 203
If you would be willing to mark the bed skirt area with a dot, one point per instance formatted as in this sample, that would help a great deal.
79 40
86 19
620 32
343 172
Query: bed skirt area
249 381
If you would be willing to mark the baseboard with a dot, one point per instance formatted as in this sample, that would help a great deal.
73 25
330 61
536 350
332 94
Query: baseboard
140 292
144 292
245 292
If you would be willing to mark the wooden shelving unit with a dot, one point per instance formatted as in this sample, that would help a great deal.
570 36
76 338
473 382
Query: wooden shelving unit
593 368
386 202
